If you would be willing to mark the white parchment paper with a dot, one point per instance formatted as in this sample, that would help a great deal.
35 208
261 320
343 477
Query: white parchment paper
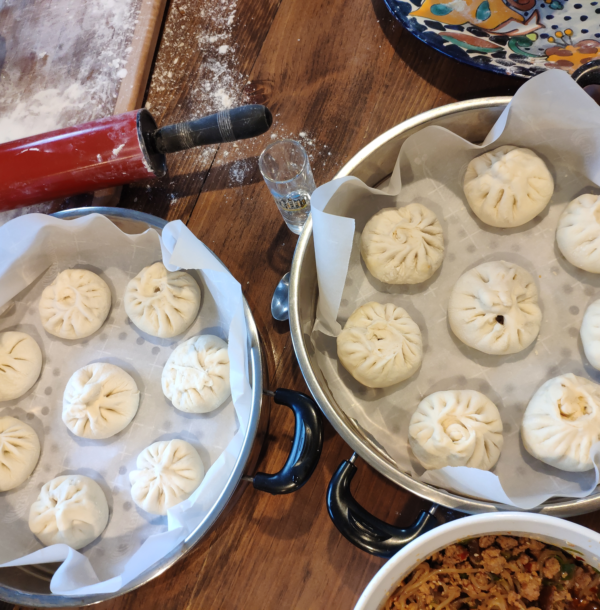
553 116
33 249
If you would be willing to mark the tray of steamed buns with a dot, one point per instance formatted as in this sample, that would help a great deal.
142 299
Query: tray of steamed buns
471 317
114 400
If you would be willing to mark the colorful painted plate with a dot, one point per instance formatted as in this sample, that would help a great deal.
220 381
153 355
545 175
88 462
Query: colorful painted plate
515 37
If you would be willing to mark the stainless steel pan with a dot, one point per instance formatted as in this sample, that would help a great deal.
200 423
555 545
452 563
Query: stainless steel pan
471 120
29 586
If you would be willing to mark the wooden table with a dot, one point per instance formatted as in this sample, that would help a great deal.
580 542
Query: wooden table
341 72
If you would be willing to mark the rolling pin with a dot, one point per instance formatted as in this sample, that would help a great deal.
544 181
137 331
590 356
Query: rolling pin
111 151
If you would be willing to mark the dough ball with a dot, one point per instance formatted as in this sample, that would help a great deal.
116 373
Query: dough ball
562 422
380 345
590 334
456 428
71 509
508 187
75 305
494 308
578 233
196 376
168 472
20 364
99 401
403 245
19 452
162 303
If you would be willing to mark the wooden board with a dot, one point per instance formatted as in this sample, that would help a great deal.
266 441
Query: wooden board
66 62
139 59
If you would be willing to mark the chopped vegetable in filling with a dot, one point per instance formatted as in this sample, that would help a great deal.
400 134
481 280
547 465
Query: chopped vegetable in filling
499 573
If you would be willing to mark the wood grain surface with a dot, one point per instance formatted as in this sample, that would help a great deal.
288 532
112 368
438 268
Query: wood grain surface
336 74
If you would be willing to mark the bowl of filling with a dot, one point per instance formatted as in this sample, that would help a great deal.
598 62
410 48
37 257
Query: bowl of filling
506 561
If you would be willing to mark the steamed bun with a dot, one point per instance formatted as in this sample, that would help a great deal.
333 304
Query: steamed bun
70 509
99 401
162 303
20 364
196 376
380 345
562 422
590 334
403 245
578 233
75 305
508 186
19 452
456 428
494 308
168 472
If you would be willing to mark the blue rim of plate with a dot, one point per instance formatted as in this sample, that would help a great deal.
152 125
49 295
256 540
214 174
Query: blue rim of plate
512 37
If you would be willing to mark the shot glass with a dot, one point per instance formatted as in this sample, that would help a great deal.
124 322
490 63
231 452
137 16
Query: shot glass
286 170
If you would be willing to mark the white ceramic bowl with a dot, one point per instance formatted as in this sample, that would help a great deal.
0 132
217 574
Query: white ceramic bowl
573 538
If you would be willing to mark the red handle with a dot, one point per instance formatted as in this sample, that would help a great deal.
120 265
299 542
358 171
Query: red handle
80 159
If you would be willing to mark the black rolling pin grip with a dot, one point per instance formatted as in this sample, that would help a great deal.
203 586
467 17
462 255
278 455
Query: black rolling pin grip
225 126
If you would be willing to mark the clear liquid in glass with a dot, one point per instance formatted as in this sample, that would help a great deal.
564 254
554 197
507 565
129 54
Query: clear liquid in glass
295 209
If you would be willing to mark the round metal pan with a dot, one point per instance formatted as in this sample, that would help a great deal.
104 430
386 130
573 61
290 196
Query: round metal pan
29 585
471 120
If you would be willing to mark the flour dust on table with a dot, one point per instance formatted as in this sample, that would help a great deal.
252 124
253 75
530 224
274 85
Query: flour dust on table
78 51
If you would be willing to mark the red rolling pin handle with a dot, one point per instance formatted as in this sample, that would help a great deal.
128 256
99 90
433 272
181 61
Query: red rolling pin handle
99 154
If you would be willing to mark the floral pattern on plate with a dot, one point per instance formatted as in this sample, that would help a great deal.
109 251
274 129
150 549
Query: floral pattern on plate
515 37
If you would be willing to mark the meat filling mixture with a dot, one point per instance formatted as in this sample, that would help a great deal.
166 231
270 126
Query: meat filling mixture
499 572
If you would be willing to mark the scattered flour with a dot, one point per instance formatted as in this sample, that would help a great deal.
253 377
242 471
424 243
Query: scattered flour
242 156
223 98
41 113
239 170
316 151
218 84
82 56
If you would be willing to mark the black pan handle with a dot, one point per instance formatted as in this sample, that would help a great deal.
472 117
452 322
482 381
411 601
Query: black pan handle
306 446
588 77
588 74
360 527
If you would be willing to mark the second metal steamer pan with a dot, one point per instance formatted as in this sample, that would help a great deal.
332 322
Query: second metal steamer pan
29 585
471 120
